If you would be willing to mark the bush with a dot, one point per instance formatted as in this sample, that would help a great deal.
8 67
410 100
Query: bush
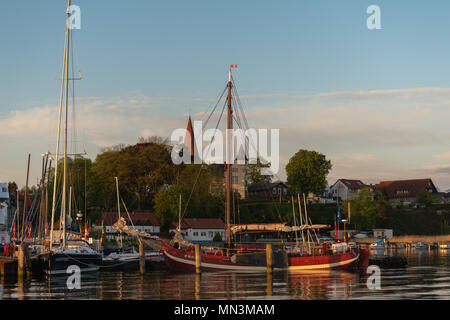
217 238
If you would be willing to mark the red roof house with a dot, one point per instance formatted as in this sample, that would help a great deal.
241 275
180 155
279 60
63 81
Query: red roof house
405 190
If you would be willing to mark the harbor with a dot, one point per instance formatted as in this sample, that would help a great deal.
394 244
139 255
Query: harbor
425 277
181 154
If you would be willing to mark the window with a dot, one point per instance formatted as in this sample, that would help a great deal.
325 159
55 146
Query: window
274 190
285 191
279 191
235 179
195 234
203 234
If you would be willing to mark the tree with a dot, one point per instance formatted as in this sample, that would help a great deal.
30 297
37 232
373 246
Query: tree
254 173
217 237
425 198
167 204
307 171
142 170
364 210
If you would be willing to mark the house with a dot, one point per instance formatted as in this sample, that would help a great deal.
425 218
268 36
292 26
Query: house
383 233
268 191
142 221
200 229
405 191
346 189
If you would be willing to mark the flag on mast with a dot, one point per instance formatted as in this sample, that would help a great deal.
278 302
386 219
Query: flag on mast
86 231
233 66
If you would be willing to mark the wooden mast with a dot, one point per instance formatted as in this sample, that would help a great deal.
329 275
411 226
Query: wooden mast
228 164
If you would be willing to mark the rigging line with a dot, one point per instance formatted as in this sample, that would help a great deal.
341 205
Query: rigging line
217 103
240 110
239 100
218 100
201 166
139 238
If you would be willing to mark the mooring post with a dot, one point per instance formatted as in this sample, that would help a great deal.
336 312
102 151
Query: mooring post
23 261
141 258
198 258
20 261
269 257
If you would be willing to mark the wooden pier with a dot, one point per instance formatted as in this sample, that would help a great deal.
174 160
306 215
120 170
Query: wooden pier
8 266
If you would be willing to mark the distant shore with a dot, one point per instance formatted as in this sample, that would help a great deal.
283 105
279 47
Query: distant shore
411 238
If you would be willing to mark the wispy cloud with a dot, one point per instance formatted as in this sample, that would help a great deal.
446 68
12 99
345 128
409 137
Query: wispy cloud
373 135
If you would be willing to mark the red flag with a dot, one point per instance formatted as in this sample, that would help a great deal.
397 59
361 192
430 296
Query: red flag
29 230
14 230
233 66
335 228
86 231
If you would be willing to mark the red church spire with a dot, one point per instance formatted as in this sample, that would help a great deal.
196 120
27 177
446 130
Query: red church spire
189 139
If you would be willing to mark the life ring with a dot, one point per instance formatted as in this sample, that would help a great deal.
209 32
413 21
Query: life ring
9 250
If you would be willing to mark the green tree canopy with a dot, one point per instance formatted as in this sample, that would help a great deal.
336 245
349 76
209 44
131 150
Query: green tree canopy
254 173
364 210
142 169
425 198
307 171
167 204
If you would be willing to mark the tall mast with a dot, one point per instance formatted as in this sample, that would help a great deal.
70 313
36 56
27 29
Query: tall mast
65 62
66 77
118 208
229 127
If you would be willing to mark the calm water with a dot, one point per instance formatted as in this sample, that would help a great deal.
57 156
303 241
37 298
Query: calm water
426 277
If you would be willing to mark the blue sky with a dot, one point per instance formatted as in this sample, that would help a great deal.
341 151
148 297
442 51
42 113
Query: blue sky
376 102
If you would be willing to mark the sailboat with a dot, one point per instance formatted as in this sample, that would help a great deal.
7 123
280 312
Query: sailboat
180 254
72 249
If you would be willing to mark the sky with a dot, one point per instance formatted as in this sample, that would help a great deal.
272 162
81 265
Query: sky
375 102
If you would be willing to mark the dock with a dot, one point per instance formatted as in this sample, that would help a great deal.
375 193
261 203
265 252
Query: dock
8 266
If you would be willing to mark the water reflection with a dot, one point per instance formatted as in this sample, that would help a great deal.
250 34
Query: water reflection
426 277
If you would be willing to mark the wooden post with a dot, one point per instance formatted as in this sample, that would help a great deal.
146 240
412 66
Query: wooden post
198 258
269 284
20 261
269 257
141 258
23 261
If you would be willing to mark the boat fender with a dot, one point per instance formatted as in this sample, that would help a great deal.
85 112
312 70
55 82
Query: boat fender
9 250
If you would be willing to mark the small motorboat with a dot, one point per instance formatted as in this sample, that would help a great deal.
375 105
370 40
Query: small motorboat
378 245
420 245
445 245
